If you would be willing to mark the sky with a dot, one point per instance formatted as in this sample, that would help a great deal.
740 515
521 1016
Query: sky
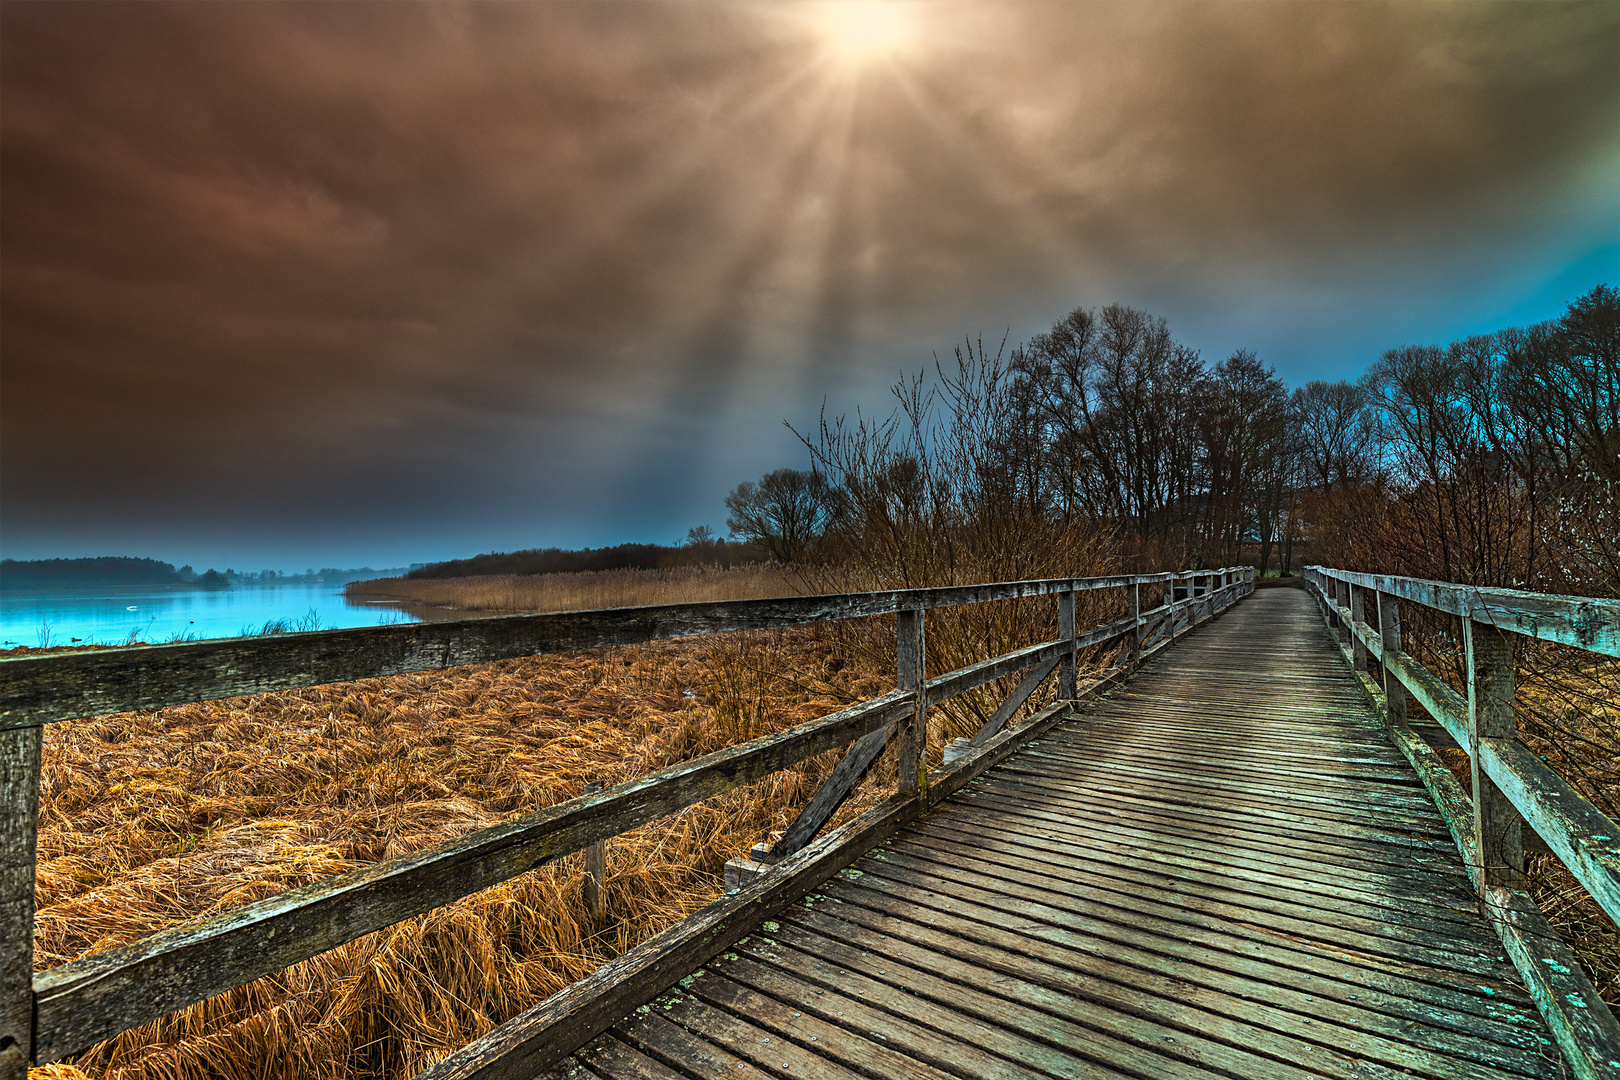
375 283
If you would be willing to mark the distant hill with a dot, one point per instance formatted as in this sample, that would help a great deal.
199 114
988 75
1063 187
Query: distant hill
103 570
620 557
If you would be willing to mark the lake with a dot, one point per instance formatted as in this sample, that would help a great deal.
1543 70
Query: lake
156 614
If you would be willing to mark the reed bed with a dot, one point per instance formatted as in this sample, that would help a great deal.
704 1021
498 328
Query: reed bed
152 818
586 591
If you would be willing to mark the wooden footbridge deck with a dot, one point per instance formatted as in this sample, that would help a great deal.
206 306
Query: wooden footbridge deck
1224 869
1227 855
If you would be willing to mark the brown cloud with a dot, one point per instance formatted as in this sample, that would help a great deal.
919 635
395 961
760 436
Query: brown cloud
315 257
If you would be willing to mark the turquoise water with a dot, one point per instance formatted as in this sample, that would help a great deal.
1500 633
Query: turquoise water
155 614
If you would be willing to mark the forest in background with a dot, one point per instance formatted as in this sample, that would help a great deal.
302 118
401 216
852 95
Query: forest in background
1492 460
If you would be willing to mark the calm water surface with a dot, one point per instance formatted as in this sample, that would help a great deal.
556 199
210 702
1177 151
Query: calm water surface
156 614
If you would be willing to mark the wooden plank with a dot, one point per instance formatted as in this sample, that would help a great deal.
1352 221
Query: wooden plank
85 1001
938 1035
1096 912
1385 929
1127 1003
19 839
1581 835
1389 640
831 794
741 1037
911 741
833 1044
1286 977
1308 870
44 689
1272 874
1584 622
1014 700
1321 801
1582 1024
1334 853
695 1051
614 1060
1069 658
1488 660
544 1034
984 1010
1016 880
571 1017
1580 1021
595 867
1249 1013
1256 814
1378 780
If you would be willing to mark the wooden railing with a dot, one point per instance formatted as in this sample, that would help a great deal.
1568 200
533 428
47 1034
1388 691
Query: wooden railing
1512 787
57 1013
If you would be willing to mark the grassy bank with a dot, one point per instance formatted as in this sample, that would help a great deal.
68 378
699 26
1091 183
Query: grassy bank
586 590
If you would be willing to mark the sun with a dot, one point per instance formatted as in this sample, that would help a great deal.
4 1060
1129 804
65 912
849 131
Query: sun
858 32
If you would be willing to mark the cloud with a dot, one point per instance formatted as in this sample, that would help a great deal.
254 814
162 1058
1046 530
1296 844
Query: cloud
296 265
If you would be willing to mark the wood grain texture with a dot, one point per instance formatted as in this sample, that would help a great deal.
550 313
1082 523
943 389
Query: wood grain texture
1117 897
1585 622
831 794
1581 835
1586 1032
19 837
1014 701
559 1026
1488 660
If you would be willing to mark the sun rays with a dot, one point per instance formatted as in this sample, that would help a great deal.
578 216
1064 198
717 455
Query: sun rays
856 33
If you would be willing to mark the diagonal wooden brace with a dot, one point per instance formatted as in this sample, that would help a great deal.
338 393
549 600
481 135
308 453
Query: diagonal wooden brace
832 793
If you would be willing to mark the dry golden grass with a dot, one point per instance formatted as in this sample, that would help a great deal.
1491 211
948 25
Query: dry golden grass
588 590
149 819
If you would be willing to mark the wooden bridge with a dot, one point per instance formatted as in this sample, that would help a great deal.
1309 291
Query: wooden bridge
1231 855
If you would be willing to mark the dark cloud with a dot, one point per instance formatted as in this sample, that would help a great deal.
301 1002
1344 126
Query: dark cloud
436 278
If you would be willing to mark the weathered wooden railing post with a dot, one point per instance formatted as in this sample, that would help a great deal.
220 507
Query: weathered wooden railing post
1389 636
1341 601
911 744
1133 612
1067 677
1358 614
1498 828
19 841
595 860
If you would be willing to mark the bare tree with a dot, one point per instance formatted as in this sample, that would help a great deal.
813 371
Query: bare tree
784 513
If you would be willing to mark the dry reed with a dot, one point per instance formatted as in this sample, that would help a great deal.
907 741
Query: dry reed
153 818
585 591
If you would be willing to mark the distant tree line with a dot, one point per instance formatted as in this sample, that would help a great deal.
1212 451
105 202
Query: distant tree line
701 547
128 570
1492 460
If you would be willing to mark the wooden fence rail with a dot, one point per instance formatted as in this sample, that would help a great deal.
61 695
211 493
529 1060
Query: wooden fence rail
1511 787
63 1011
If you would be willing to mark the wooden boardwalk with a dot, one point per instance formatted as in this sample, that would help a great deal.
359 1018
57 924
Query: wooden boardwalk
1223 869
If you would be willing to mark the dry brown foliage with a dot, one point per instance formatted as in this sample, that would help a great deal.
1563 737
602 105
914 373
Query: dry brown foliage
586 591
153 818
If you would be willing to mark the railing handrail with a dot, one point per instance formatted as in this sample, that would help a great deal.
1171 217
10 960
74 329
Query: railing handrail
47 689
1511 786
77 1004
1586 622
